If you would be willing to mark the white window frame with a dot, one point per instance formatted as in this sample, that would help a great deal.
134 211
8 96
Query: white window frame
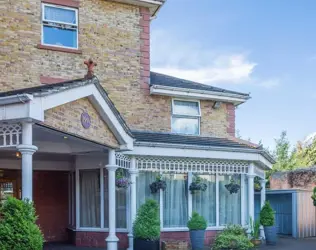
177 115
102 228
61 23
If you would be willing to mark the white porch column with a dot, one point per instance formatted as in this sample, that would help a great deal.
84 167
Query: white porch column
27 150
251 194
111 167
262 201
133 171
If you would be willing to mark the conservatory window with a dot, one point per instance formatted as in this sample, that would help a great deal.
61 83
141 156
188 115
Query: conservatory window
229 204
205 202
144 179
90 198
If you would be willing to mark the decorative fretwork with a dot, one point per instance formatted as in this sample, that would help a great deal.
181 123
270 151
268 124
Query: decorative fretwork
10 135
184 165
123 161
259 172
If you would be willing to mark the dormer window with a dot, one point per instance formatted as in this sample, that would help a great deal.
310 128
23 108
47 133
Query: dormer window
186 117
59 26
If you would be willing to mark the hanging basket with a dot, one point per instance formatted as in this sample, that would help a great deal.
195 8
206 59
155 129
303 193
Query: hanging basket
197 185
121 181
233 187
157 185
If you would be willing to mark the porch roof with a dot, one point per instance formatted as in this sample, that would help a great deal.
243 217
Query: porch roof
48 89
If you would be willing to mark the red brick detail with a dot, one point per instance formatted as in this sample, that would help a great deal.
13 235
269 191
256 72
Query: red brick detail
51 80
50 192
144 48
47 47
185 236
67 3
96 239
231 119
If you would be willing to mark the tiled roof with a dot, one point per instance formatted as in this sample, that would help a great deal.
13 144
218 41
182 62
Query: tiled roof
169 138
48 89
170 81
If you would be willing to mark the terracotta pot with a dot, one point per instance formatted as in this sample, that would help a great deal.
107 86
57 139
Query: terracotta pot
256 242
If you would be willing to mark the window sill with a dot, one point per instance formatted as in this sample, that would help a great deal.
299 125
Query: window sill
183 229
91 229
66 50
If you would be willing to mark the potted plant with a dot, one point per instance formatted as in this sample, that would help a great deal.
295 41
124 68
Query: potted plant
197 185
314 196
267 221
158 184
120 180
146 228
197 225
233 187
255 232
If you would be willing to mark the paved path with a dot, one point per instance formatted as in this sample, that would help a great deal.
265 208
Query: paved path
292 244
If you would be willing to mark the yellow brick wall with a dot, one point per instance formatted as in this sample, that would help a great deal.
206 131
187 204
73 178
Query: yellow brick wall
109 33
67 118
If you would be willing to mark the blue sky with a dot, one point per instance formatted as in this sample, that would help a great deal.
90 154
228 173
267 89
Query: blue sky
263 47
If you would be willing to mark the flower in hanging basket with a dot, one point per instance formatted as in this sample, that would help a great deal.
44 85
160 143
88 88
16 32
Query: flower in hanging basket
120 180
197 185
258 187
157 185
232 187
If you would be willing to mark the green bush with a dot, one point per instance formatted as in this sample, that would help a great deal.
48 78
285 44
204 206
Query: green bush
314 196
18 230
197 222
234 230
231 241
267 215
147 222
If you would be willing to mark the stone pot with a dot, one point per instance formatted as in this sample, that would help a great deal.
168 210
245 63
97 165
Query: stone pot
140 244
271 235
197 239
256 242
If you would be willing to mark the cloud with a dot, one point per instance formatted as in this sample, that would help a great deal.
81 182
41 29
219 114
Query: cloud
189 60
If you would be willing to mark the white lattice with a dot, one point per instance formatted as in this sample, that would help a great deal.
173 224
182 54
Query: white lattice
123 161
10 135
184 165
259 172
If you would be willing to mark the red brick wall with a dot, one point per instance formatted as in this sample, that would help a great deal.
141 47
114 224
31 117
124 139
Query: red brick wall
50 194
185 236
231 119
97 239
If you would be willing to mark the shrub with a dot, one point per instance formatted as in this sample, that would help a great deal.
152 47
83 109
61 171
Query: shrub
255 228
197 222
147 222
235 230
231 241
314 196
267 215
18 230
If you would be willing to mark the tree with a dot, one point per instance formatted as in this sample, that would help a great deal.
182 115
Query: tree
306 156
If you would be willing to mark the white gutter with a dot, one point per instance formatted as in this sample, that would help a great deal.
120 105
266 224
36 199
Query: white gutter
153 5
200 94
22 98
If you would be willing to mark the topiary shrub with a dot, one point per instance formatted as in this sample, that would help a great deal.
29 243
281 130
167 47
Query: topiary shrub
267 215
147 222
18 230
197 222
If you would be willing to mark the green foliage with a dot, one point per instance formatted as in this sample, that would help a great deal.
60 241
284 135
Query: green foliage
255 229
18 230
314 196
267 215
197 222
307 156
147 222
232 237
234 229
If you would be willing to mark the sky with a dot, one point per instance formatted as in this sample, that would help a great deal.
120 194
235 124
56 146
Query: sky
263 47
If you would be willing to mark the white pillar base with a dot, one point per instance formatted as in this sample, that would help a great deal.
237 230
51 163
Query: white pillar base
111 242
130 241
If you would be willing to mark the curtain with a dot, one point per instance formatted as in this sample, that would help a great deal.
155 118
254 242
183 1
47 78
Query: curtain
186 108
144 179
204 202
121 205
175 208
229 204
90 198
60 15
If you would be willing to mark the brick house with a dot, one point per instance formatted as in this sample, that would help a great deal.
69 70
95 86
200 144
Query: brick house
66 133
